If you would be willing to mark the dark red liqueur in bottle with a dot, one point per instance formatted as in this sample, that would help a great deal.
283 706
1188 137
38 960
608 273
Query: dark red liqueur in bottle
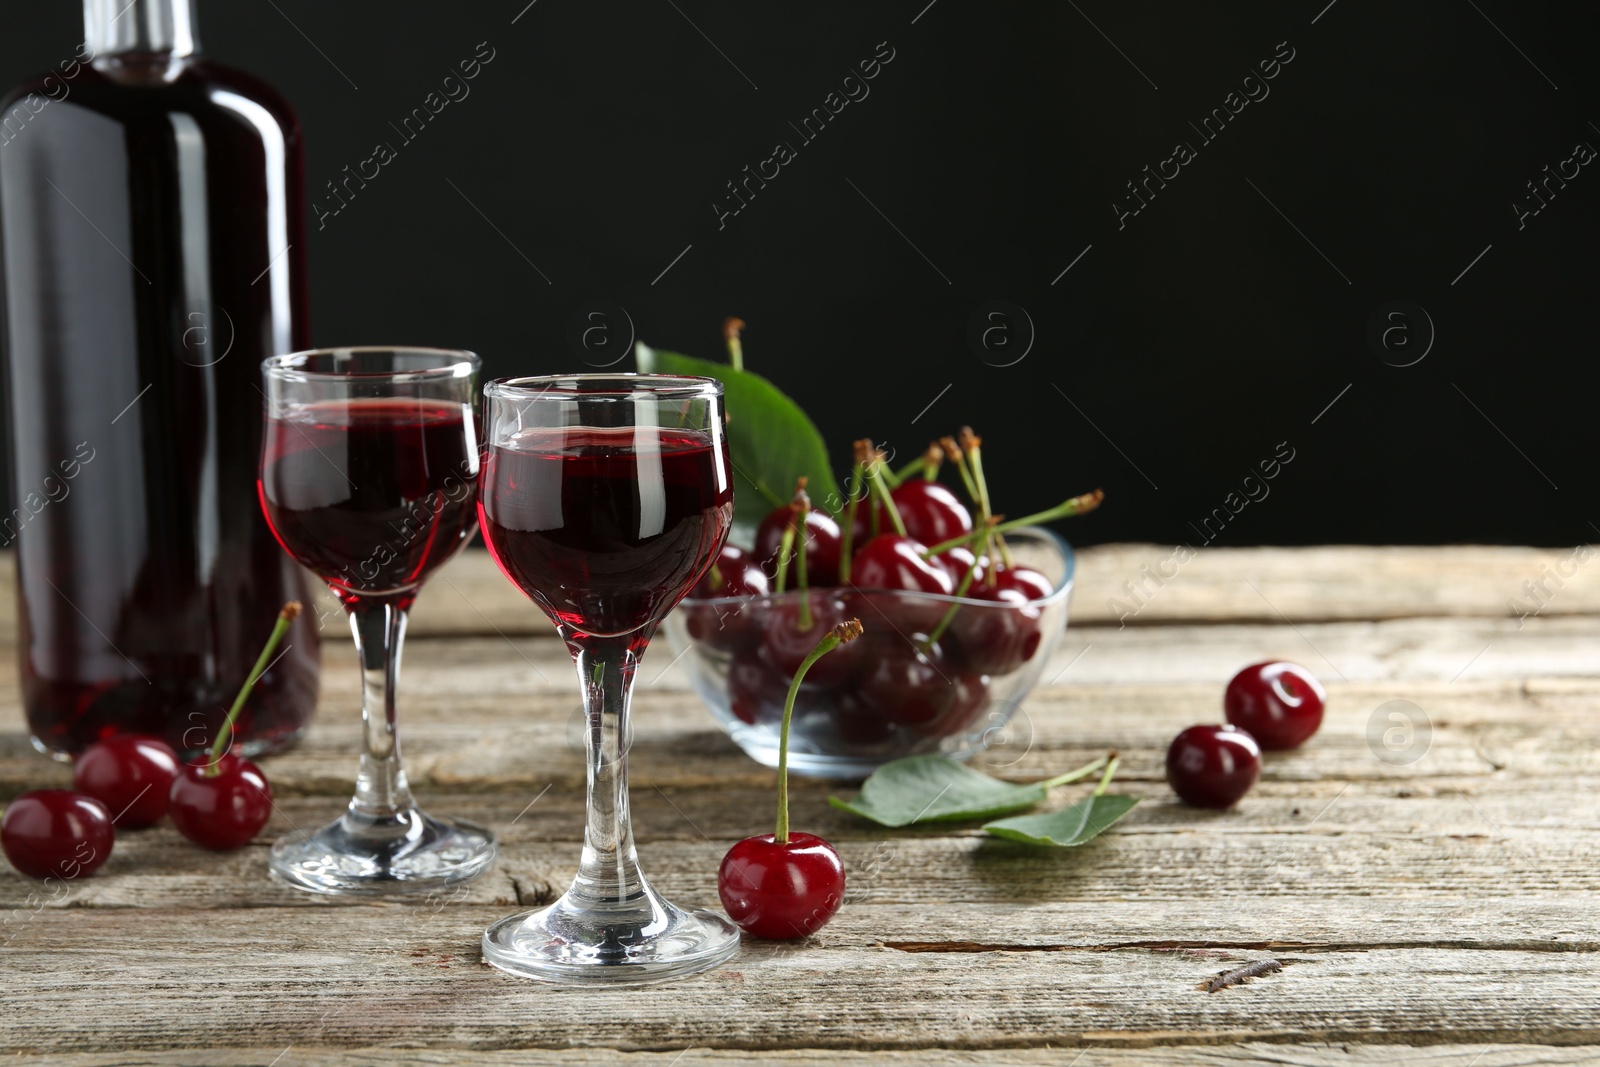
371 495
604 536
151 235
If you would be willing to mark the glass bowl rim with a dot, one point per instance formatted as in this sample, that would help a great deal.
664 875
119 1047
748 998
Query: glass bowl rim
670 387
1040 533
454 363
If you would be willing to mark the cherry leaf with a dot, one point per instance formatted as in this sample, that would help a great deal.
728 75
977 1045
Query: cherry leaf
1072 825
936 789
770 439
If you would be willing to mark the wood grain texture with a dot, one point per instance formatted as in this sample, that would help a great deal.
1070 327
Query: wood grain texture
1128 583
1321 583
1437 911
1343 1054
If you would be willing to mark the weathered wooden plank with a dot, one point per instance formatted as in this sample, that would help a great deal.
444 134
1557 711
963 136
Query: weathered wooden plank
103 981
1414 650
1345 1054
470 596
1435 900
484 742
1319 583
1114 584
1454 848
487 714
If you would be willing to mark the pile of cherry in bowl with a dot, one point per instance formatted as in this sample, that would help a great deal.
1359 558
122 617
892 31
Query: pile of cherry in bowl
894 557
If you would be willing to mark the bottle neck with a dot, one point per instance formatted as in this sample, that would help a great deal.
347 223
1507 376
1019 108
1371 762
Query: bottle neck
140 27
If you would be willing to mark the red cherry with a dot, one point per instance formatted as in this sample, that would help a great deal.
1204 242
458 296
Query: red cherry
56 833
1031 584
822 547
1279 703
755 691
854 720
969 698
781 892
131 775
738 573
785 645
1213 766
890 561
726 627
960 559
931 512
222 811
971 701
909 680
1000 635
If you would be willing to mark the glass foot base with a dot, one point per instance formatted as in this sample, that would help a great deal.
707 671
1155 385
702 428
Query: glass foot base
563 943
412 852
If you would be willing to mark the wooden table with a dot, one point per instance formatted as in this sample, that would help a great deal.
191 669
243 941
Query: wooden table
1448 901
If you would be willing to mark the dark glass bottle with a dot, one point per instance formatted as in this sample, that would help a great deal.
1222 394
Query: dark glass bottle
152 242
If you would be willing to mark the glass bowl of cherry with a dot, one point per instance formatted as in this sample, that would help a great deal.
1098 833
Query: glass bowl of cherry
935 672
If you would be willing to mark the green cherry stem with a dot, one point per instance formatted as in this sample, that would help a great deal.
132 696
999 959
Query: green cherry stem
971 444
1073 775
802 506
784 549
1105 779
971 452
1078 505
730 334
845 631
975 538
909 471
290 612
875 476
848 533
953 454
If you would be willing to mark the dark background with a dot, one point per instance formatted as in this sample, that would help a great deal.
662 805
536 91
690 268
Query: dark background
1171 358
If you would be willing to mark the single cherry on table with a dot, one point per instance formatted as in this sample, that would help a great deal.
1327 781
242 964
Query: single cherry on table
784 886
1280 703
1213 766
131 775
222 804
56 833
781 891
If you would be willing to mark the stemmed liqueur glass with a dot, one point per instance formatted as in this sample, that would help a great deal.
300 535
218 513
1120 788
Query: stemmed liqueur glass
369 470
604 498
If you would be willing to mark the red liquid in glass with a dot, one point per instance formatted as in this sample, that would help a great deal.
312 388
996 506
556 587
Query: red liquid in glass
139 212
604 535
371 494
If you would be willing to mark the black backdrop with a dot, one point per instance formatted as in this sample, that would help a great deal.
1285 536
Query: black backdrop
1168 353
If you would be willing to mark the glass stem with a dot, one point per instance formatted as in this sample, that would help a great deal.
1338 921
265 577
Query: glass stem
608 876
381 790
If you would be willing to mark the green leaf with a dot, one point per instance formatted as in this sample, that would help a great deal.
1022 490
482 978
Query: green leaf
771 440
936 788
1072 825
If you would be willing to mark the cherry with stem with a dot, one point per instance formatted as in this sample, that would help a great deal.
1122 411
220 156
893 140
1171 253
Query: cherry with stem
223 803
877 480
786 885
224 741
847 532
1078 505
